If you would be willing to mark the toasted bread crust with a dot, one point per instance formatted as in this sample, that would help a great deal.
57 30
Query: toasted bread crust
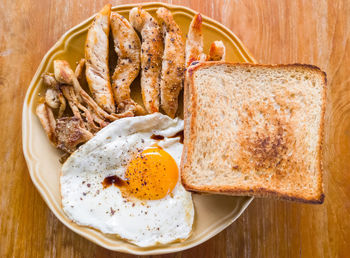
258 192
190 117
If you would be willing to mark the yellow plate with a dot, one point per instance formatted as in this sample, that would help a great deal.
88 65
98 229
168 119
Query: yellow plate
213 213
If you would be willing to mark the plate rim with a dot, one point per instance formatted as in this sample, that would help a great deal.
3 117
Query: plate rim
32 162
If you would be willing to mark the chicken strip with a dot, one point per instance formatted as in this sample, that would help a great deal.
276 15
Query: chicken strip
151 56
127 45
53 96
64 74
96 56
48 122
194 42
79 69
63 104
70 134
173 65
50 81
89 114
73 106
217 51
77 107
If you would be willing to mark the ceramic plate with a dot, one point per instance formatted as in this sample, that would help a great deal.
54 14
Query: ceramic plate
213 213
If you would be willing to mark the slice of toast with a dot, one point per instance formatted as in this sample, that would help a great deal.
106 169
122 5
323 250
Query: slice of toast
254 130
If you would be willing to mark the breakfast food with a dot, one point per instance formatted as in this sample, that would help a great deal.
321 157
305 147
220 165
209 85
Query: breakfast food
243 128
217 51
125 181
151 56
194 42
53 96
265 124
87 119
70 133
96 55
173 65
124 178
79 69
128 47
65 75
66 96
47 120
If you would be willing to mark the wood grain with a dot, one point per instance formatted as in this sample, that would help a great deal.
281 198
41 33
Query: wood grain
315 32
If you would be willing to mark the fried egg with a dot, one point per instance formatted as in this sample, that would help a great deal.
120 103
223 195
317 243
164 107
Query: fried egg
125 181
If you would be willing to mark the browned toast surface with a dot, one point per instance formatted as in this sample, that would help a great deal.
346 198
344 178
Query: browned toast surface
254 130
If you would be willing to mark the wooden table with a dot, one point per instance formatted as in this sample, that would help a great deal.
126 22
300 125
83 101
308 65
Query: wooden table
315 32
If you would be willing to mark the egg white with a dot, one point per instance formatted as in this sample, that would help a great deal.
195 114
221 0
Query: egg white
144 223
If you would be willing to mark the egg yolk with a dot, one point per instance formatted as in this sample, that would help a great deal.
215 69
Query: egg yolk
151 175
